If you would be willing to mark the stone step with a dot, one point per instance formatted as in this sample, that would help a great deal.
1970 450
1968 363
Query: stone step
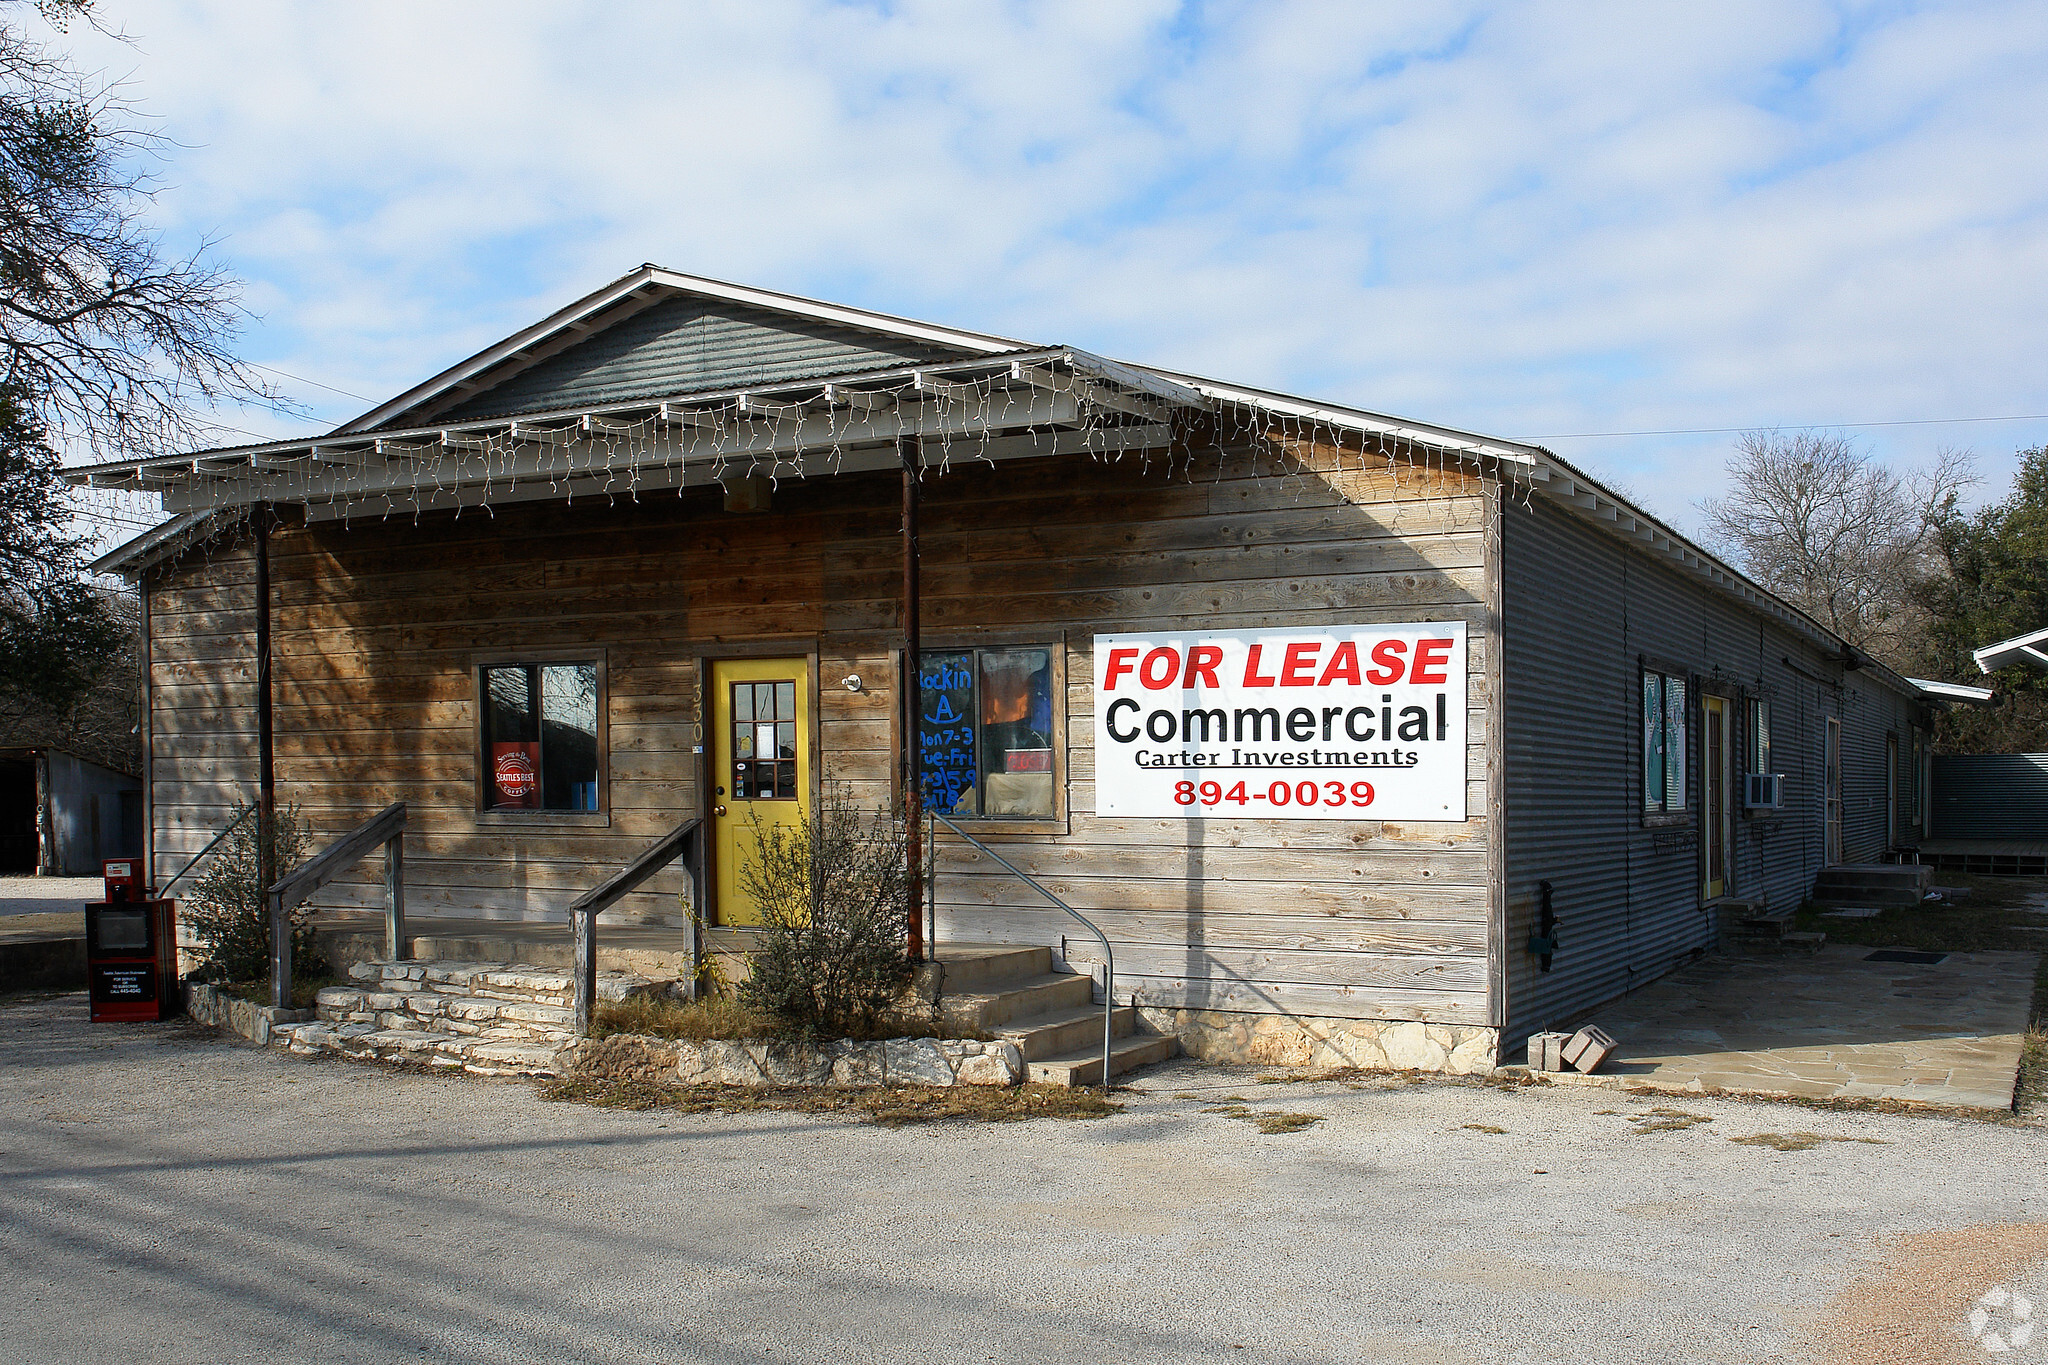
1084 1066
495 981
1015 1000
487 1055
444 1013
1057 1032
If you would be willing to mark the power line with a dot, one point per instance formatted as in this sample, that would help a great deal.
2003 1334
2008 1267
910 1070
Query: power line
301 379
1804 426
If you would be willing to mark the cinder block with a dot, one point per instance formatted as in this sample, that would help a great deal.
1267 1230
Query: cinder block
1588 1048
1546 1051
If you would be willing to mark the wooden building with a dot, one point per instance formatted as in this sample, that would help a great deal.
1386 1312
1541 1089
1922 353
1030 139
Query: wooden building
645 561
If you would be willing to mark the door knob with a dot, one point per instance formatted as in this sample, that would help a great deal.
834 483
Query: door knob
718 810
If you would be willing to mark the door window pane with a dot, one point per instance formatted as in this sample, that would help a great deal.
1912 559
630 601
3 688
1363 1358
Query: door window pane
764 741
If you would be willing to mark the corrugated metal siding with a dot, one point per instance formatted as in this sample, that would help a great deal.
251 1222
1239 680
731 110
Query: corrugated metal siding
688 345
1991 796
1582 613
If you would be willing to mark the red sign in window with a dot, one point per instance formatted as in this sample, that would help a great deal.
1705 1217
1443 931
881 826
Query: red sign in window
515 775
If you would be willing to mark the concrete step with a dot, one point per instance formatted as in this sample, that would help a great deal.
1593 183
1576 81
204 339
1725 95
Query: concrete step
1873 884
1084 1066
1015 1000
1794 944
1058 1032
490 1054
977 967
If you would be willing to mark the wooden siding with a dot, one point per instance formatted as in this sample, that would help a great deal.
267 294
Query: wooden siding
377 627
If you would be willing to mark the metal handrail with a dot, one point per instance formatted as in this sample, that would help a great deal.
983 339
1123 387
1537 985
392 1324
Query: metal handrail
583 912
1108 954
386 828
164 892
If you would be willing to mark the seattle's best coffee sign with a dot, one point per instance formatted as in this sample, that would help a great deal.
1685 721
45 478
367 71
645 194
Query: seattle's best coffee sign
1342 723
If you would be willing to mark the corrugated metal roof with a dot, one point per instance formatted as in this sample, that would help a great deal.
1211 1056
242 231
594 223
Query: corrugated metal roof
689 345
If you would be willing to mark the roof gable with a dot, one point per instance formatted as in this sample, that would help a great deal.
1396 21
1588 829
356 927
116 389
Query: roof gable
691 344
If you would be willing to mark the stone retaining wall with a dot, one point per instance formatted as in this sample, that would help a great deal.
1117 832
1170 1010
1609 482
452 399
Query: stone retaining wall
1369 1044
890 1061
215 1007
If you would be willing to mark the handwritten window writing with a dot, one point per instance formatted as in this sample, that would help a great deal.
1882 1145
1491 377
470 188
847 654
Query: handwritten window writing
985 741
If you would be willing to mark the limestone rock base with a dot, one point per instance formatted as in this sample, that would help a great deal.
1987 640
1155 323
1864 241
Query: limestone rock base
1369 1044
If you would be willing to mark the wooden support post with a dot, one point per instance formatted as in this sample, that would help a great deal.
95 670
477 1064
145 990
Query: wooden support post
394 898
280 951
909 451
583 925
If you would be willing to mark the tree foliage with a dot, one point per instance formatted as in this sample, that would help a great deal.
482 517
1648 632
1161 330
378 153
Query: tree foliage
1844 539
834 893
225 907
110 344
1993 585
107 338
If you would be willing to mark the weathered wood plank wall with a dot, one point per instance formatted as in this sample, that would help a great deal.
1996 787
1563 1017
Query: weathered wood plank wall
378 626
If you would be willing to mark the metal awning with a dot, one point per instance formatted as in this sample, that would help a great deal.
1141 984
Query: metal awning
1958 692
2021 651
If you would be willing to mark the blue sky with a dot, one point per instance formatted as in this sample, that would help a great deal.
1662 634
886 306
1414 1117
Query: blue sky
1527 220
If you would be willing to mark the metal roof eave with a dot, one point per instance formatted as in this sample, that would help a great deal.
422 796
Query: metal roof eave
653 277
166 540
1955 692
2030 651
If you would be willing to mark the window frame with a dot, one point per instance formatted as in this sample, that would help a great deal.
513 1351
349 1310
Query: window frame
1055 645
486 813
1663 814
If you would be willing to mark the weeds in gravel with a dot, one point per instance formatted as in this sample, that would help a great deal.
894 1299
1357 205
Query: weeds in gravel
885 1106
1485 1128
1662 1120
1799 1142
1267 1120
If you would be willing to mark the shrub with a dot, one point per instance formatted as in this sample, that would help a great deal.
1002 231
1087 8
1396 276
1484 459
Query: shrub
225 907
834 892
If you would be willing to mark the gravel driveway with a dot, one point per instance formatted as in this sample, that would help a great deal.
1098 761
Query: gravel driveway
166 1195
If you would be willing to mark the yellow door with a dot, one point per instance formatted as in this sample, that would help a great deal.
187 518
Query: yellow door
760 766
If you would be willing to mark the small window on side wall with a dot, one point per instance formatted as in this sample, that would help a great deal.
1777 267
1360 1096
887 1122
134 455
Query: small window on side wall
986 737
540 737
1759 735
1663 718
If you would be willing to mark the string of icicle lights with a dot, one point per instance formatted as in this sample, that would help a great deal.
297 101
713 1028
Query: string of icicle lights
675 448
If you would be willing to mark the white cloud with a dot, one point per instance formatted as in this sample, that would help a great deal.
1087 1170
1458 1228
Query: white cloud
1524 219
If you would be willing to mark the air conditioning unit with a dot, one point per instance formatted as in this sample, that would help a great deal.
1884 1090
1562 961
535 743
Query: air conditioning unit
1763 791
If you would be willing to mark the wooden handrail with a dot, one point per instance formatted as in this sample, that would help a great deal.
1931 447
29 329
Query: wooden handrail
587 907
386 828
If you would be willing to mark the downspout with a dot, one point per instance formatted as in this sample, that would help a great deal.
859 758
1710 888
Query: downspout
909 450
148 734
266 771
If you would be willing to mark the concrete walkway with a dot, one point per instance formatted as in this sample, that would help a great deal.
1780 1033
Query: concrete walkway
1832 1026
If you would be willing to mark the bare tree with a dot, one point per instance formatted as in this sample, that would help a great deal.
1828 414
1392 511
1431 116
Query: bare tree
107 339
1844 539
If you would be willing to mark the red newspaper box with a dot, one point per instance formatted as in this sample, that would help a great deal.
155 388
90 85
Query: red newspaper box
131 960
124 879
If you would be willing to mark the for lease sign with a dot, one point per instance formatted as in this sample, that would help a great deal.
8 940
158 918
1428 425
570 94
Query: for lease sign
1334 723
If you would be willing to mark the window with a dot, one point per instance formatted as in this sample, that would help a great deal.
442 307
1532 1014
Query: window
540 736
764 741
985 745
1663 741
1759 735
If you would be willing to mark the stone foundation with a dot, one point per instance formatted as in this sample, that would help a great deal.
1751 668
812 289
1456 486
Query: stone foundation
1283 1040
891 1061
214 1007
